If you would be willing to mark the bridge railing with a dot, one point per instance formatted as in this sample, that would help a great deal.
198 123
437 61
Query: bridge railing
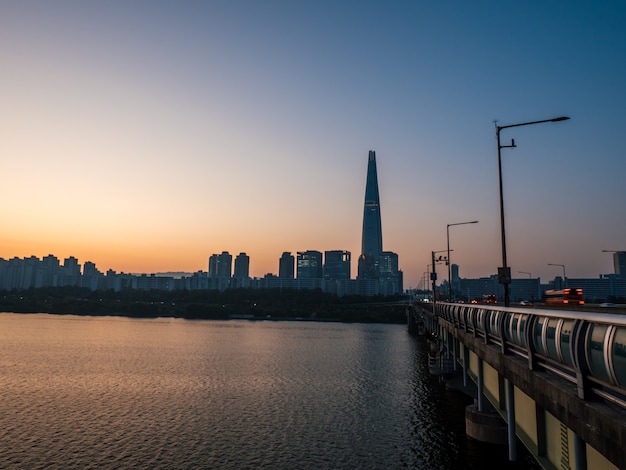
585 348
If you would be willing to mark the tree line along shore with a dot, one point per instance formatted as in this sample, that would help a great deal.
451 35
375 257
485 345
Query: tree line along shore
255 304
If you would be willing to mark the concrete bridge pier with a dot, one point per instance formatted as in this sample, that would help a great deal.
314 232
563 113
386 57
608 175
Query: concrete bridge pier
482 424
485 426
416 323
411 319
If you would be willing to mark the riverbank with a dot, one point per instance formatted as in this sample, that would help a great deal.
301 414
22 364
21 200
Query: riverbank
210 305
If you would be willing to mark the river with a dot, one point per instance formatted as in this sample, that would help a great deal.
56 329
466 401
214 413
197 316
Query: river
118 393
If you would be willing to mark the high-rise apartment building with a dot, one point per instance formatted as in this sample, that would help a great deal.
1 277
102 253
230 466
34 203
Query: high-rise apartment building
225 265
220 269
309 264
213 262
220 266
71 272
242 270
285 266
91 276
51 268
336 265
242 266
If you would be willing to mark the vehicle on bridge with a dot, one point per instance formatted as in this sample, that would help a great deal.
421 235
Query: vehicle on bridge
489 299
567 296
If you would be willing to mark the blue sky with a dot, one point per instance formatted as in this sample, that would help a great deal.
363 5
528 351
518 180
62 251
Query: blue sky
146 135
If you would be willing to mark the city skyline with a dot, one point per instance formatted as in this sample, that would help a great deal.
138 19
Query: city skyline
81 267
144 137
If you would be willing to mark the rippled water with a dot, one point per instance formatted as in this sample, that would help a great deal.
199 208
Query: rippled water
109 393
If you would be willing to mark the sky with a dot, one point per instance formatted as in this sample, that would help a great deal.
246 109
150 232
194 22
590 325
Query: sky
145 136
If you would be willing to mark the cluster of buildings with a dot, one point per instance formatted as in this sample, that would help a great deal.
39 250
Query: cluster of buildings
595 290
329 271
378 271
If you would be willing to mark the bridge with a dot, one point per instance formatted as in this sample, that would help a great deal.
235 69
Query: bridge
553 378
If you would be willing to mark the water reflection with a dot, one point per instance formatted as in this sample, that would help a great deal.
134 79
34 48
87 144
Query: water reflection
119 393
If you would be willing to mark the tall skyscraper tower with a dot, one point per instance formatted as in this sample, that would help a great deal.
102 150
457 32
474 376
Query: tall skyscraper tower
372 237
372 241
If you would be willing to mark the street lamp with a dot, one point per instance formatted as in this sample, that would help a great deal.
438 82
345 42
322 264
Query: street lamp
448 236
433 275
504 273
564 278
426 277
424 281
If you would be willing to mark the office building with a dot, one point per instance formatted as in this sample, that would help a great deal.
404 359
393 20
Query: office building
309 265
336 265
388 273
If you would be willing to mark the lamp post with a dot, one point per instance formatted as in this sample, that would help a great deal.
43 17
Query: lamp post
504 272
433 275
449 264
426 277
529 284
564 278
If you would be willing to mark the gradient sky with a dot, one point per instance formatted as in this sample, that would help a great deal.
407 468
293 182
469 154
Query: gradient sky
146 135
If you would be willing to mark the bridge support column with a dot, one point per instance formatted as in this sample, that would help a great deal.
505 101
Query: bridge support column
580 453
411 321
481 385
510 418
465 364
455 345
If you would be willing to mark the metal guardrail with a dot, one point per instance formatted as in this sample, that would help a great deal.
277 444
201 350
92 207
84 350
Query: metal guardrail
587 349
